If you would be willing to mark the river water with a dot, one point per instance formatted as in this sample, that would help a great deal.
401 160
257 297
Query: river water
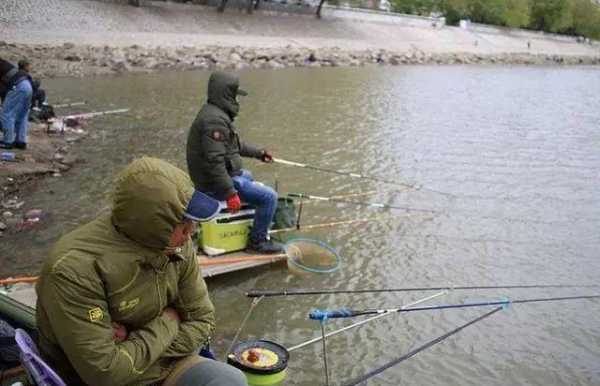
508 157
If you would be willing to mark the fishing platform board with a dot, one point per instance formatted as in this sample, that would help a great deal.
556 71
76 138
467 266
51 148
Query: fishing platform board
210 266
236 261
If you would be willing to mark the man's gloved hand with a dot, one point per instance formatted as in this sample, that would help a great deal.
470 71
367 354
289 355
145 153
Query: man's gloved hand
266 156
233 203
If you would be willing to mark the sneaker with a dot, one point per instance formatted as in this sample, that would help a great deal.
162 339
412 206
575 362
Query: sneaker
4 145
266 247
21 145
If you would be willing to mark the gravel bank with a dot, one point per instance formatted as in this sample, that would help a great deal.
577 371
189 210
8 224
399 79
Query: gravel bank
82 37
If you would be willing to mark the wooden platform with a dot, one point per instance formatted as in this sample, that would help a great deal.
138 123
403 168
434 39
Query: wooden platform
237 261
211 266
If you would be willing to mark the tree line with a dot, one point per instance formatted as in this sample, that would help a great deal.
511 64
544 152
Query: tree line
572 17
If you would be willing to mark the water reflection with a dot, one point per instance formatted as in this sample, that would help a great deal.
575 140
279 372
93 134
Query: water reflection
516 150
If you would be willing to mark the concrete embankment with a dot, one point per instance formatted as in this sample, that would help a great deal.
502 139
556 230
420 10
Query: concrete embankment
83 37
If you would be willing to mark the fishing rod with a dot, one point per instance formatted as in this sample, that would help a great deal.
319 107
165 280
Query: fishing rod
358 324
94 114
323 225
351 195
347 313
300 292
359 203
69 104
414 352
342 173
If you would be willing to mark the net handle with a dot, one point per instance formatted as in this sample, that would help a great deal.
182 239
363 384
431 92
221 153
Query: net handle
210 261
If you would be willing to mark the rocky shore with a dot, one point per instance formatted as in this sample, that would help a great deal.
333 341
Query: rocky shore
48 154
69 59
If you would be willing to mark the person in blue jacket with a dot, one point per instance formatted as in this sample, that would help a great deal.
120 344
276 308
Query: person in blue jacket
16 87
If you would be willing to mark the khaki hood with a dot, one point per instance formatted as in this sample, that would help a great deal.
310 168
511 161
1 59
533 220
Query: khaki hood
222 92
150 198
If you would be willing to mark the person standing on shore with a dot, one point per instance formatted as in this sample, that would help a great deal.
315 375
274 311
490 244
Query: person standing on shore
17 90
214 157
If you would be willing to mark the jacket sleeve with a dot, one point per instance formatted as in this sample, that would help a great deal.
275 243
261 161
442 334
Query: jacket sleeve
196 311
80 319
247 150
213 146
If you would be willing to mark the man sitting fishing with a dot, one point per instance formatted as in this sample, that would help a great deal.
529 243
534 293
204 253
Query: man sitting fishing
214 158
121 300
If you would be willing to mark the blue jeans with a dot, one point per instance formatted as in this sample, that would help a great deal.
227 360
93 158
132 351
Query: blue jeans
263 198
15 112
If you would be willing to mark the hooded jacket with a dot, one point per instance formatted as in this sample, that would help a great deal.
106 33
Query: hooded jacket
114 269
214 149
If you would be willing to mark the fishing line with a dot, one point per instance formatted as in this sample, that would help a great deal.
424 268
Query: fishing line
237 334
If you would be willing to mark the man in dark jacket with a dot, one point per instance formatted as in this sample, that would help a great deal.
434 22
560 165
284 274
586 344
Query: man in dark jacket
214 158
16 85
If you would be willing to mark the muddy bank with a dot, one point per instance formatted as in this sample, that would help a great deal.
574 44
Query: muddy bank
82 60
47 154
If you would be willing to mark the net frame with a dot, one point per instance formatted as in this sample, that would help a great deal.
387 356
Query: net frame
293 261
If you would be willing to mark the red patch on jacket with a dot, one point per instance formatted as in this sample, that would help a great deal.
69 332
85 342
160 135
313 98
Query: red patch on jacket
217 135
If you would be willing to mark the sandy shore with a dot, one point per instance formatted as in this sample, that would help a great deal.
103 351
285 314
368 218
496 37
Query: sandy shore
83 37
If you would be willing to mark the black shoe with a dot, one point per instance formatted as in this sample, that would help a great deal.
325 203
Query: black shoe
266 247
4 145
21 145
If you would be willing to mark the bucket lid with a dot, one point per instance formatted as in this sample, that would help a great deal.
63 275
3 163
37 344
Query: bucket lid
260 357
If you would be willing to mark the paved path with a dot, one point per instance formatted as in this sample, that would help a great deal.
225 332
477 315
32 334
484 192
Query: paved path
176 25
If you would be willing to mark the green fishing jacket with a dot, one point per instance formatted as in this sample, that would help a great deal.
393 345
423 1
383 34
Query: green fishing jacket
113 269
214 149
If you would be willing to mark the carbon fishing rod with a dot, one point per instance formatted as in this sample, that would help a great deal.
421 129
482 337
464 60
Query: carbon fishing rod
359 203
414 352
342 173
347 313
360 323
94 114
358 175
304 292
72 104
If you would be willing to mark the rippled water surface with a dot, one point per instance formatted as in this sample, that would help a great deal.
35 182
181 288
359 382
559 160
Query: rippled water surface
508 157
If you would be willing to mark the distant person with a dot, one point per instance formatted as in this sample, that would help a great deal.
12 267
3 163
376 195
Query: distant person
17 89
121 300
214 157
41 111
528 45
38 98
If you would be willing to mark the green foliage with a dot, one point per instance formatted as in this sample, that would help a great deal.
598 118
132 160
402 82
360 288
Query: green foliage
454 10
581 17
551 15
517 13
586 18
414 7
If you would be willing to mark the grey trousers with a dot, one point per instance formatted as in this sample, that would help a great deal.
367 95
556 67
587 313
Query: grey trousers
198 371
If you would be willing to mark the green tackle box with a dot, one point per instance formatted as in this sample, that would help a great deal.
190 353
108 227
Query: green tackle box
227 232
